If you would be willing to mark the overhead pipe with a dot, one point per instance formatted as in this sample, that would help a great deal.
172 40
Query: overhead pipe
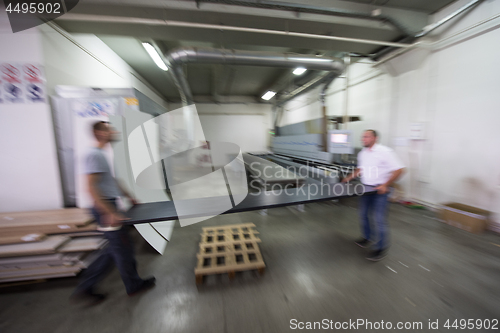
395 54
181 83
301 8
410 40
314 83
187 55
178 57
439 23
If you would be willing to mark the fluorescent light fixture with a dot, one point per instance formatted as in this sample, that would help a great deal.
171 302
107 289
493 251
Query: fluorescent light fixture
268 95
299 70
155 56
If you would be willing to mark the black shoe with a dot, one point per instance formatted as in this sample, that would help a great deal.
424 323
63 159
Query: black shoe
146 285
377 255
88 296
362 242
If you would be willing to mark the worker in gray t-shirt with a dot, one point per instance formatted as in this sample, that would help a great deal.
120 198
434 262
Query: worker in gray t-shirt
105 190
107 186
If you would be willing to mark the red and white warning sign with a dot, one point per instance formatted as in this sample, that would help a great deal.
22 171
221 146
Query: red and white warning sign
34 83
12 89
22 83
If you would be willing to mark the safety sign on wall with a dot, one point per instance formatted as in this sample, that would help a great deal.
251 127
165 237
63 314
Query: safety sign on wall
22 83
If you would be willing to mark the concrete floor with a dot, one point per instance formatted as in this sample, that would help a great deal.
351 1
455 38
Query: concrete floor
314 272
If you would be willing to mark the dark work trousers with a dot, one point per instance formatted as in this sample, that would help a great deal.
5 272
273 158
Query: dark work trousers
119 251
378 231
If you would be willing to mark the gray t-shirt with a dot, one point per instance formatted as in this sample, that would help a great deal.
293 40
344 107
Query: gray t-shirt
95 162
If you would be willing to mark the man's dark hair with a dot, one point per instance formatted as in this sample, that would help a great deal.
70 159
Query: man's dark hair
375 134
100 126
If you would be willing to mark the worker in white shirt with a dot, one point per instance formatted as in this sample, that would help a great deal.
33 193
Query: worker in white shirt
378 166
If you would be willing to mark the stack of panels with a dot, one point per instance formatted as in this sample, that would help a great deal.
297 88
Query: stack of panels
49 222
46 244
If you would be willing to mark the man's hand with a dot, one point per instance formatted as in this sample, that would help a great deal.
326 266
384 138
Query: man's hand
133 201
113 219
382 189
351 176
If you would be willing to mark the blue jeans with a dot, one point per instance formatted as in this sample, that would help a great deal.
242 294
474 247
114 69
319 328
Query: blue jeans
119 251
378 232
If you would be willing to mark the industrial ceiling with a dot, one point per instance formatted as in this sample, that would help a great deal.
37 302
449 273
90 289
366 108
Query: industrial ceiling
249 26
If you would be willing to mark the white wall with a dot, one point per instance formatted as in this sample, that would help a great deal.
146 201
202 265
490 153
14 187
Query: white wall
451 87
29 173
246 125
68 64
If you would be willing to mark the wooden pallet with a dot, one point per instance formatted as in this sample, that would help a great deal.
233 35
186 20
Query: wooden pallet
222 228
226 235
228 249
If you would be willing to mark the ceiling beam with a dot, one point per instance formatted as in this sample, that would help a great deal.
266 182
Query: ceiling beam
219 27
414 20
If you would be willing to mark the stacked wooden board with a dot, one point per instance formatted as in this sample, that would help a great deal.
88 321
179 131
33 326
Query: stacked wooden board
46 244
228 249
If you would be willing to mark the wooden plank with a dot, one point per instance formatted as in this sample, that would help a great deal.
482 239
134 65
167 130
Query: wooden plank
249 260
48 245
208 249
20 283
22 265
228 234
21 238
229 238
87 260
48 229
29 271
84 234
80 259
41 278
229 231
73 256
55 257
33 274
229 226
75 216
6 272
83 244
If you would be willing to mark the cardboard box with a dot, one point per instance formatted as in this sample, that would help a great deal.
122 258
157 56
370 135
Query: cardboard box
465 217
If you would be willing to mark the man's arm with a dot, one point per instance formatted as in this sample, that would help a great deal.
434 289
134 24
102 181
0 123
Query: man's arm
381 189
125 192
353 175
